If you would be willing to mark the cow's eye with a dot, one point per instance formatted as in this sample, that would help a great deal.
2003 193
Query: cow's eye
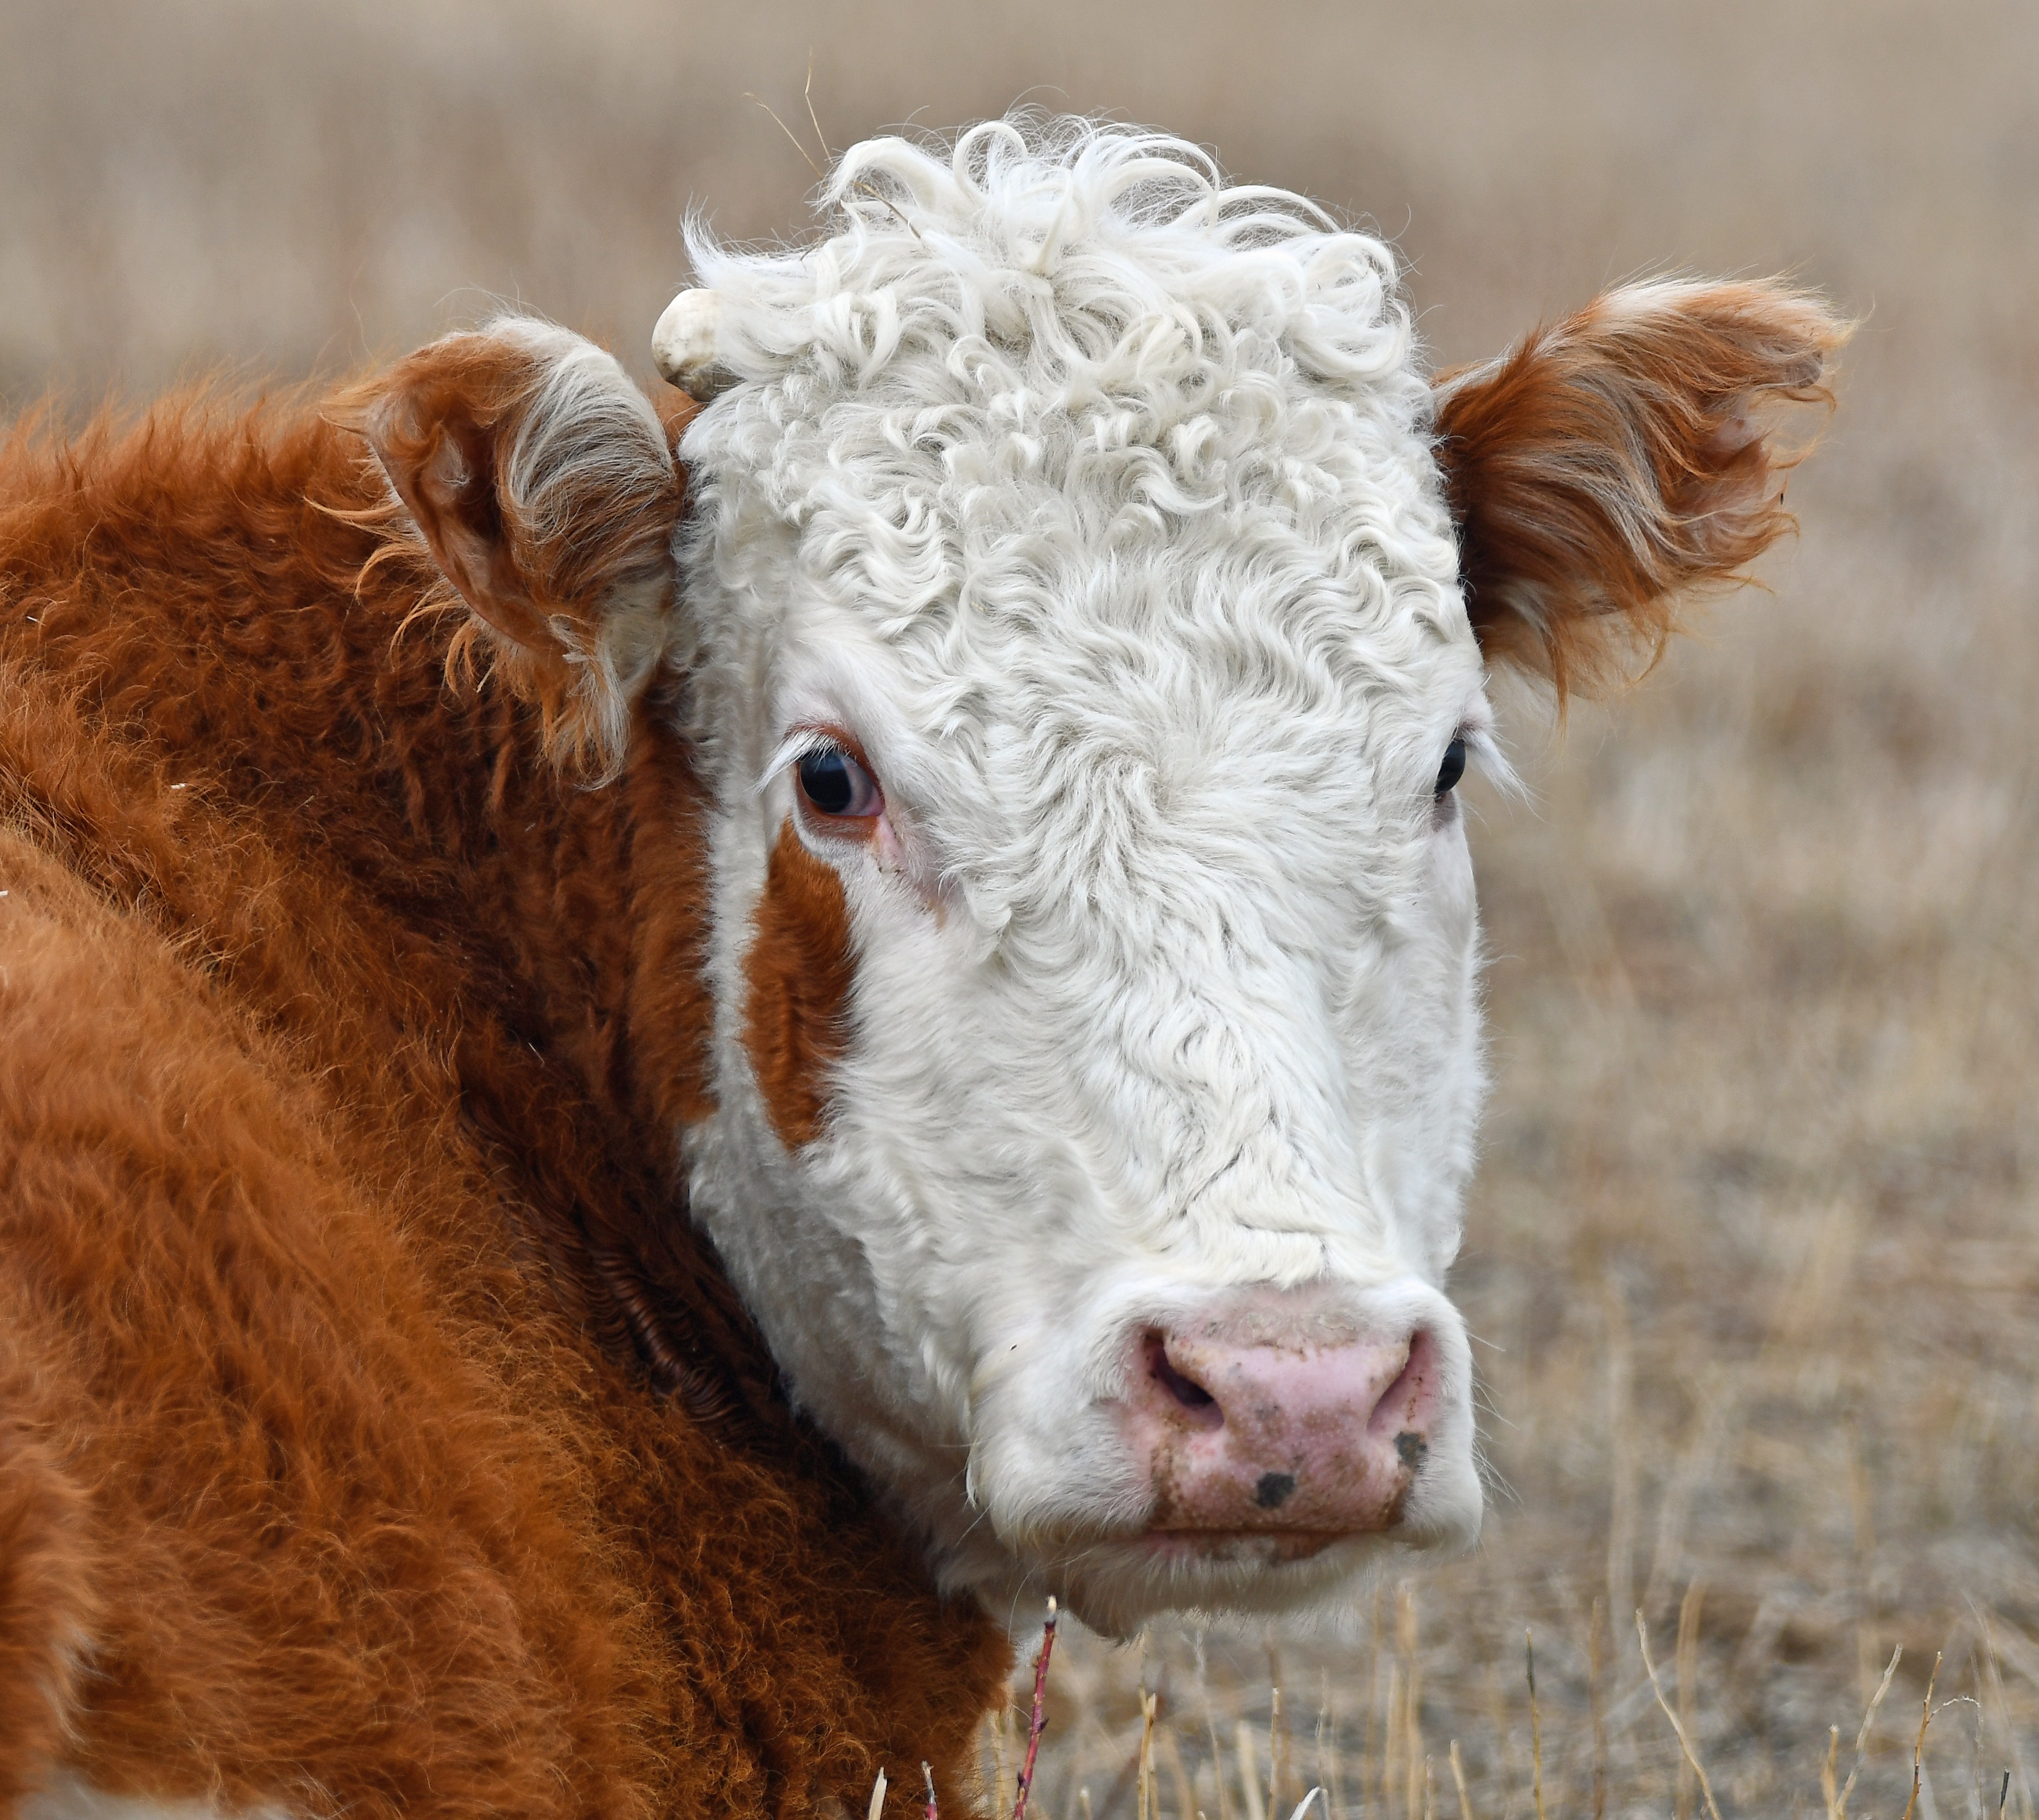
836 786
1452 769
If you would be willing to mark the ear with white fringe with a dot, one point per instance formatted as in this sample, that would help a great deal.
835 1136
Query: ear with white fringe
1621 458
539 478
683 344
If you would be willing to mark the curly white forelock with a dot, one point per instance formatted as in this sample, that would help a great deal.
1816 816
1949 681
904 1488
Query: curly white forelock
1011 248
1012 358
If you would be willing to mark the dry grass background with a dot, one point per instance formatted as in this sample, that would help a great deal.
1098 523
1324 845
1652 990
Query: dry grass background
1752 1256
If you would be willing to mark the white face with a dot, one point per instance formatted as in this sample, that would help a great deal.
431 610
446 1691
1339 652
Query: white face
1098 1051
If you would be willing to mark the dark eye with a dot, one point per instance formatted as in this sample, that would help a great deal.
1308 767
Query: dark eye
1453 768
836 785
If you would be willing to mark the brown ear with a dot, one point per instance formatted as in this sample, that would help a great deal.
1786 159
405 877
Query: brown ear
1606 465
540 479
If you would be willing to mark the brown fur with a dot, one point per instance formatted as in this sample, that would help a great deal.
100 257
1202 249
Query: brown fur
1608 463
797 971
46 1603
346 1046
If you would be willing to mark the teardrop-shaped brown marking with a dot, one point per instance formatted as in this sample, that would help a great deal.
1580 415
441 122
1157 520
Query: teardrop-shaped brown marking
798 972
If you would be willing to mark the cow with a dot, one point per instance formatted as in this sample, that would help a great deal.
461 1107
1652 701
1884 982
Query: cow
664 1058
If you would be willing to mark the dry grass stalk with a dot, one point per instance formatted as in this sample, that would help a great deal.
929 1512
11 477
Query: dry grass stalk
1687 1672
1536 1722
1459 1781
1375 1729
1862 1737
1717 1398
1828 1783
1992 1676
1249 1772
1332 1775
863 186
1148 1702
1620 1375
1684 1742
1325 1779
1037 1721
995 1723
1391 1738
1919 1744
1275 1753
1405 1640
1210 1727
1179 1772
1862 1518
807 157
807 95
1596 1650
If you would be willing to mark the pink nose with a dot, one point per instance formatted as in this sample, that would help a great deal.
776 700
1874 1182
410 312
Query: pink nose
1299 1440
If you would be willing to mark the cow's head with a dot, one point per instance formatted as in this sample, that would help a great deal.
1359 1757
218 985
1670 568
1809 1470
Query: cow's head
1086 599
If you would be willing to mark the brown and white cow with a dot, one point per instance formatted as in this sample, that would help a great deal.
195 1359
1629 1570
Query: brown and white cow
650 1054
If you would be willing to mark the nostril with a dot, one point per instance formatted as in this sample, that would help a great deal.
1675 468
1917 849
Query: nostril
1405 1407
1189 1395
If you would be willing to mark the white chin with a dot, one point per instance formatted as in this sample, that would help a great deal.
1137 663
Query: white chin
1116 1579
1116 1586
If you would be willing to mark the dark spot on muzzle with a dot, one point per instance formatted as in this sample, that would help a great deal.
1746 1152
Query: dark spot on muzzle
1413 1449
1272 1490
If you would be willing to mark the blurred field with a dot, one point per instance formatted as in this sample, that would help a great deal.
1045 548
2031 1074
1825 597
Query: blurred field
1754 1253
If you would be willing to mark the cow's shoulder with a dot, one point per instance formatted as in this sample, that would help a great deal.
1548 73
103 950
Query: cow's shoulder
263 1457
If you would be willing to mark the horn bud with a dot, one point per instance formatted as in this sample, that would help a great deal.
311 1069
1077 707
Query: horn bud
683 344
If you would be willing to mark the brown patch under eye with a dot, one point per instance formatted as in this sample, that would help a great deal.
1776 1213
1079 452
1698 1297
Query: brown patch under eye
798 972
